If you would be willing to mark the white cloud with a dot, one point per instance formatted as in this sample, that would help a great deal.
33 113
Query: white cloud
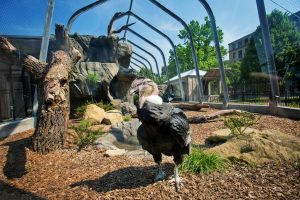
169 26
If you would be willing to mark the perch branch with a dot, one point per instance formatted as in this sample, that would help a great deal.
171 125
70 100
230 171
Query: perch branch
206 118
190 106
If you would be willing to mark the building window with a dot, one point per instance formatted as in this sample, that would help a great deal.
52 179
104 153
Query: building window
246 41
240 54
240 44
230 47
233 55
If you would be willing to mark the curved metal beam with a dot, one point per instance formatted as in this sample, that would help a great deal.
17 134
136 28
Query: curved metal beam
150 54
142 64
130 13
142 57
155 46
218 49
166 10
80 11
135 64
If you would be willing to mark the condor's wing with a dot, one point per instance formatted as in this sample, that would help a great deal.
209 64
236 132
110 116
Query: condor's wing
179 127
155 114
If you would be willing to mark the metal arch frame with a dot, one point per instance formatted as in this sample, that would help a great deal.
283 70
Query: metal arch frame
144 50
157 47
135 64
218 49
206 6
176 17
142 64
130 13
142 57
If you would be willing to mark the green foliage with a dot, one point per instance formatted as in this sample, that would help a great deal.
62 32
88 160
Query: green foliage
285 40
127 118
200 162
238 122
234 73
105 105
93 78
250 62
204 47
86 135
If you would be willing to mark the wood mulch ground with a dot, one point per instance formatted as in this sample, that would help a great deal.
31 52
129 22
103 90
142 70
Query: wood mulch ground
88 174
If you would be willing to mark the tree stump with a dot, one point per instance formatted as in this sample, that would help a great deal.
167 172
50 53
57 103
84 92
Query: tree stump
53 94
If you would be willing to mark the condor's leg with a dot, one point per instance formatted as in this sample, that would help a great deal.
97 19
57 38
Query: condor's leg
161 174
177 160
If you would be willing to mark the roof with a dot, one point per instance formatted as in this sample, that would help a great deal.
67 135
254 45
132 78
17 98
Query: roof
214 74
188 73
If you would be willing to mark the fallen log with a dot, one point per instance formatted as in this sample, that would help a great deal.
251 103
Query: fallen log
206 118
190 106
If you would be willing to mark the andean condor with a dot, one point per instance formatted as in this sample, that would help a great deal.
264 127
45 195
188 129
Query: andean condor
164 128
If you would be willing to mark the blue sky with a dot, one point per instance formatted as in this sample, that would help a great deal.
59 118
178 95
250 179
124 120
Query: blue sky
235 17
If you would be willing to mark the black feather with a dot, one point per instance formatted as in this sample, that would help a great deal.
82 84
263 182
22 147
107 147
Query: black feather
164 129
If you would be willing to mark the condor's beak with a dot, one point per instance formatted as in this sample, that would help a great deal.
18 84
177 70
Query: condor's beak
133 91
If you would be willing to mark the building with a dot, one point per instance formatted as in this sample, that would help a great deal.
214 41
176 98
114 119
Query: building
237 48
296 19
16 88
189 82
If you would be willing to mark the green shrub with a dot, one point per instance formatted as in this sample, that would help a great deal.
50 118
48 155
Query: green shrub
105 105
86 135
93 78
200 162
127 118
238 123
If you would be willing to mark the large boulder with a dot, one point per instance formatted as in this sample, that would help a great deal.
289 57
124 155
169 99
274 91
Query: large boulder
94 114
112 117
127 108
122 82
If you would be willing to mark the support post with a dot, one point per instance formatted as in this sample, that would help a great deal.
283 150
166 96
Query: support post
218 49
195 60
268 51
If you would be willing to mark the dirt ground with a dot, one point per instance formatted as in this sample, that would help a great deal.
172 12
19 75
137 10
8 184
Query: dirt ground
88 174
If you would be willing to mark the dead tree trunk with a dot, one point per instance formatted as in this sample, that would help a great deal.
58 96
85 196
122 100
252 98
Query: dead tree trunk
206 118
53 85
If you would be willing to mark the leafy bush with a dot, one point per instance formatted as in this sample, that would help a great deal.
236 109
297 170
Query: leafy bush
105 105
86 135
127 118
92 78
200 162
239 122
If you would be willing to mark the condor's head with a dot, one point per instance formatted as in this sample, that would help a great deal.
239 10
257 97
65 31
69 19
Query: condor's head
145 89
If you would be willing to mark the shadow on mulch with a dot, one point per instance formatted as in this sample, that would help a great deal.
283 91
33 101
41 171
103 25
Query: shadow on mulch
126 178
11 192
16 158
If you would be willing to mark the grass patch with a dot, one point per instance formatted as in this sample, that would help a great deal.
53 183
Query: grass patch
86 135
127 118
200 162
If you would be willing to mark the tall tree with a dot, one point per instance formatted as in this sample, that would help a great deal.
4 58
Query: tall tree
285 40
204 47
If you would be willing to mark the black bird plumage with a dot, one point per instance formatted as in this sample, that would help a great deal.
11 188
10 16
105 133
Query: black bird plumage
164 128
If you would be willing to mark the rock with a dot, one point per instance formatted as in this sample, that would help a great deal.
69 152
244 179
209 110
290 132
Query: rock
226 132
115 152
94 113
128 108
128 128
105 145
112 117
104 128
121 83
